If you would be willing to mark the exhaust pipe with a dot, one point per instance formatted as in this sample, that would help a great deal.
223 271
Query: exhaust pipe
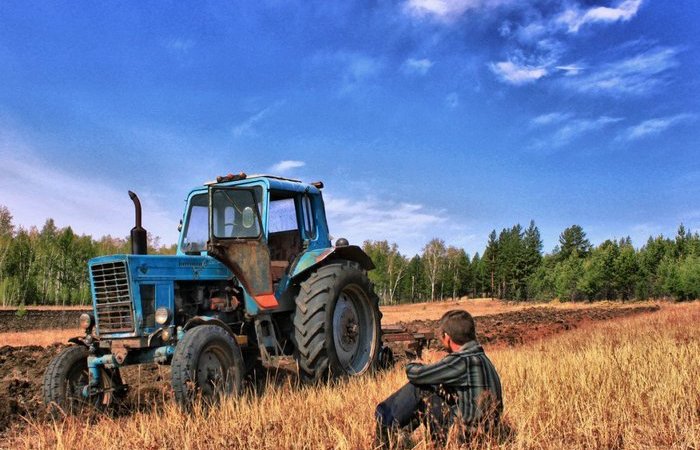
139 236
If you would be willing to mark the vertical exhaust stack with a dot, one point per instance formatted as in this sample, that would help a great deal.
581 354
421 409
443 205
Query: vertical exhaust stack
139 236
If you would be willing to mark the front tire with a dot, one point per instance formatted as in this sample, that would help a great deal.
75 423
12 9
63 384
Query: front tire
207 363
67 375
337 325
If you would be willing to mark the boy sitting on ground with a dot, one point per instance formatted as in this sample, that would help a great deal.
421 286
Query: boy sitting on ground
462 390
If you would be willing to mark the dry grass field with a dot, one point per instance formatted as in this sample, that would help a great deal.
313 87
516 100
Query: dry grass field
630 383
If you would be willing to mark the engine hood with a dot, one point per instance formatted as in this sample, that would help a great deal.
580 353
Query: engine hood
168 267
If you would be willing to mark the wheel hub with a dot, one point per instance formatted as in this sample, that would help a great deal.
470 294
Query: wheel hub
209 372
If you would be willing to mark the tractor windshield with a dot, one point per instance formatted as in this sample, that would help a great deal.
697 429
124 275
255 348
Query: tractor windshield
235 214
196 232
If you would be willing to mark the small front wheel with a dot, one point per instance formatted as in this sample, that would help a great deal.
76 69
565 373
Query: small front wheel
66 377
207 363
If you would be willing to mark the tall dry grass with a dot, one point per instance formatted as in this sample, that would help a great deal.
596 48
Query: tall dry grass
633 383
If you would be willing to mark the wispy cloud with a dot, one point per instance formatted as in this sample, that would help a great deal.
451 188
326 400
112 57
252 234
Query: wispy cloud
447 10
570 70
88 204
635 75
179 46
452 100
540 38
354 70
550 118
574 17
655 126
247 127
416 66
512 73
286 166
408 224
569 129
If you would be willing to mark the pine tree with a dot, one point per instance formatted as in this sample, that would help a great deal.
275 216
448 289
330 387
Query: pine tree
573 239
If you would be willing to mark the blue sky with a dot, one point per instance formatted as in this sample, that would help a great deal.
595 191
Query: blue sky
424 118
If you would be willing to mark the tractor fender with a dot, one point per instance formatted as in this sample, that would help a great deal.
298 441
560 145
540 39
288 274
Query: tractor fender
78 341
314 258
206 320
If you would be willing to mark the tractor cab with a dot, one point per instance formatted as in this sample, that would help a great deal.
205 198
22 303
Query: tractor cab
261 228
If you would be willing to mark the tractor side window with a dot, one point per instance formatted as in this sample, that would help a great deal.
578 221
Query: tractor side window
282 216
196 232
307 212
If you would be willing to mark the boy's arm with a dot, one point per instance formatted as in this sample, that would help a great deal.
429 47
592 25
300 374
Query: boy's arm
448 370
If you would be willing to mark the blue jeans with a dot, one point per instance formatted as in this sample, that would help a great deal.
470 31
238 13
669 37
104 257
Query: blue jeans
410 406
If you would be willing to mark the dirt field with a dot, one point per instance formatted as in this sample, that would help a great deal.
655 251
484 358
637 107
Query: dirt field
21 367
38 319
476 307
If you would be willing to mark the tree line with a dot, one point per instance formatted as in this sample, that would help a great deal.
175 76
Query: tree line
49 266
513 267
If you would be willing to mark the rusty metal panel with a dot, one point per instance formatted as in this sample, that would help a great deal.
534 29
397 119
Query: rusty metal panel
249 260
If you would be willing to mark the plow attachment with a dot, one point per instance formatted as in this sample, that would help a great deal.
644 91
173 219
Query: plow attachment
412 343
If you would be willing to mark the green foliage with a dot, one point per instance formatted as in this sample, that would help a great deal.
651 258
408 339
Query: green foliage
49 266
573 239
21 311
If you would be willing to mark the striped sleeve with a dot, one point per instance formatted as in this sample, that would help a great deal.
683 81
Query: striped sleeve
449 370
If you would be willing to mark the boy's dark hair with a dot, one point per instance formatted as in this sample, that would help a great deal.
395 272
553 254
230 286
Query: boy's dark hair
459 325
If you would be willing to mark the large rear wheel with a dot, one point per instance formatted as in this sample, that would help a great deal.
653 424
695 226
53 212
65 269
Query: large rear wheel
337 323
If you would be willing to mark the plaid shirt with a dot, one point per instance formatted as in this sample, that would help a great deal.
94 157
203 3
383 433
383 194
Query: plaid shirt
466 380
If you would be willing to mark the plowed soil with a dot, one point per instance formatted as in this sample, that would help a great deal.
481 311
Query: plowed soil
518 327
21 368
38 319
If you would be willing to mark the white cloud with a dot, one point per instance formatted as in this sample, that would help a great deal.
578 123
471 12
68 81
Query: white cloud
35 190
574 18
550 118
442 10
570 70
416 66
655 126
512 73
354 70
286 166
570 130
636 75
408 224
247 127
452 100
179 46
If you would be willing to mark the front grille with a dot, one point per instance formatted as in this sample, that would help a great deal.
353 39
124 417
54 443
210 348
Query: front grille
112 297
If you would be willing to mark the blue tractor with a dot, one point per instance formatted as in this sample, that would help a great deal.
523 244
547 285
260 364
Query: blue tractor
255 279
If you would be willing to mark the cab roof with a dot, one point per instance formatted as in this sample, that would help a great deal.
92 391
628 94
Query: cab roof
273 182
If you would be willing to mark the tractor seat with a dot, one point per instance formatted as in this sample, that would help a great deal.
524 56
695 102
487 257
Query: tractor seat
277 269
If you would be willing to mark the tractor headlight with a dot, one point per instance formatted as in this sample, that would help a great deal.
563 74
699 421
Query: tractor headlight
162 315
86 321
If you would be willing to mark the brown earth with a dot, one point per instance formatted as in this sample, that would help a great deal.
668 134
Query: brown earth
21 368
38 319
528 325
